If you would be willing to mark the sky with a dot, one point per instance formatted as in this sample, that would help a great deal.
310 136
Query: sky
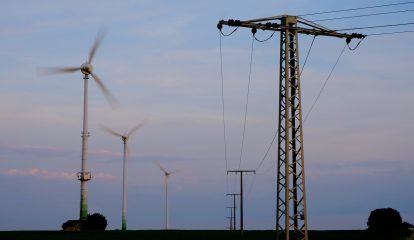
161 60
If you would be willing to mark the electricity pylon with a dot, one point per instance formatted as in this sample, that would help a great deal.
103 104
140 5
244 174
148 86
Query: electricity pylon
291 195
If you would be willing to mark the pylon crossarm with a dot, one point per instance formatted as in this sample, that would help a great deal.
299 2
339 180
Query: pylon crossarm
316 29
279 17
312 24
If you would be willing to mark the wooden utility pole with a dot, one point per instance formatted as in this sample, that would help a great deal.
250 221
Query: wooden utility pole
234 207
241 194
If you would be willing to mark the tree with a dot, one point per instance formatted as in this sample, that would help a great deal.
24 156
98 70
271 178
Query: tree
95 221
386 221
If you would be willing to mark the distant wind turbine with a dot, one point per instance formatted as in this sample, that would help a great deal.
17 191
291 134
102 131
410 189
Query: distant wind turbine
86 68
166 176
124 138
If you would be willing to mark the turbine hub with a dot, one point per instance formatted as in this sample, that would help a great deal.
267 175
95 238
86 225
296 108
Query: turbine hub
86 68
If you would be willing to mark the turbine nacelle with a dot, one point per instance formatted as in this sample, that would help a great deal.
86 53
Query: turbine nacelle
124 137
86 68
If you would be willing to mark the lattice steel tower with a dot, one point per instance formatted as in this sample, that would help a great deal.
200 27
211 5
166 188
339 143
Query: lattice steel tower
291 217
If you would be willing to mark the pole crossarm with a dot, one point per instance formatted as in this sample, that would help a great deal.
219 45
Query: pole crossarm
241 171
279 23
241 195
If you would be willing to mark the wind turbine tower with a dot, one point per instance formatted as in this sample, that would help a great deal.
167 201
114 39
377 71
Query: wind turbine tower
166 176
86 68
124 138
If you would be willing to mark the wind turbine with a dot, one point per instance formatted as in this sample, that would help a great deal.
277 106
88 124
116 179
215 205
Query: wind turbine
124 138
167 175
87 69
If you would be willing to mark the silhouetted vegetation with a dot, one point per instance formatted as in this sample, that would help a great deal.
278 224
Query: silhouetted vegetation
95 221
387 222
72 225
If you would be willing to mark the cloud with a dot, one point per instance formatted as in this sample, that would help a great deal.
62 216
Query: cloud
53 175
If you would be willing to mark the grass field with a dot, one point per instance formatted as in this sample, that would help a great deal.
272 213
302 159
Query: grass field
182 235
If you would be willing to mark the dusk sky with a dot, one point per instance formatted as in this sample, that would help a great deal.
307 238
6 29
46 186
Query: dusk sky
161 60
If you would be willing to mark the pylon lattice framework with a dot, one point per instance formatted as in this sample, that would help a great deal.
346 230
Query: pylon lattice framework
291 197
291 216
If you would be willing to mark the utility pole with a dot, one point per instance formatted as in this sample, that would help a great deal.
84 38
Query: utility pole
241 194
231 218
291 195
234 207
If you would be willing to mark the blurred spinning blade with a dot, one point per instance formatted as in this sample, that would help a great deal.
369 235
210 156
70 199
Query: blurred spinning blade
58 70
110 131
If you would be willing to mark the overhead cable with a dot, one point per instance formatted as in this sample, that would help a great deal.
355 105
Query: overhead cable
247 102
363 15
360 8
390 33
378 26
222 103
264 40
324 84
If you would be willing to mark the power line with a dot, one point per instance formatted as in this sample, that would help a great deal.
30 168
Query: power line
222 102
364 15
378 26
266 39
267 151
228 34
223 116
324 84
360 8
307 55
247 102
390 33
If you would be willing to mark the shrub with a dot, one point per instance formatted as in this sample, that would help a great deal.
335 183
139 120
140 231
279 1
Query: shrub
95 221
387 221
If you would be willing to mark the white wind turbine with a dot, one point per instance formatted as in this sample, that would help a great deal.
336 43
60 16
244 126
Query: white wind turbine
166 176
86 68
124 138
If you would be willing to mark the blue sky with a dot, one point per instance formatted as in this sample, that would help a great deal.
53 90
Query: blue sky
161 61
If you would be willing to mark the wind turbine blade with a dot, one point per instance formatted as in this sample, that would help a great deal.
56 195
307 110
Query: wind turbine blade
111 99
178 170
111 131
96 44
56 70
160 167
136 128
